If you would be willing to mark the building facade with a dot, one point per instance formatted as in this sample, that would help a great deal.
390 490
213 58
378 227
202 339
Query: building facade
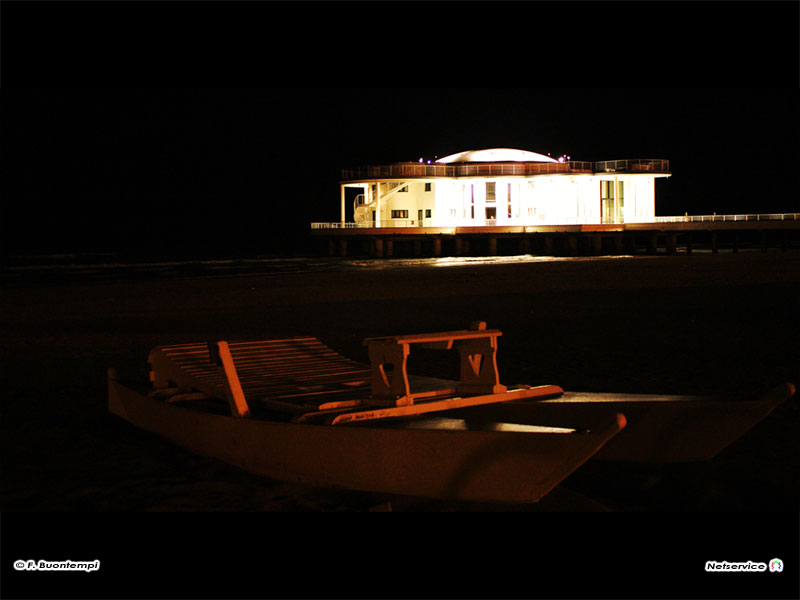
503 187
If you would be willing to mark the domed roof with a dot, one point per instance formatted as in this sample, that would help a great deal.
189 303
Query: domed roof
495 155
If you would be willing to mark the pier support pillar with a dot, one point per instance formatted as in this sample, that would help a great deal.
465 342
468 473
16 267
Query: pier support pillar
417 248
628 244
763 240
688 243
458 248
597 244
671 243
652 243
618 243
524 245
492 246
437 246
343 247
388 248
377 248
714 248
572 245
331 248
548 245
735 242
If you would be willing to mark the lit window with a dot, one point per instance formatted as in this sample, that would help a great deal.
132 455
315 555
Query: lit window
490 191
427 213
428 187
399 214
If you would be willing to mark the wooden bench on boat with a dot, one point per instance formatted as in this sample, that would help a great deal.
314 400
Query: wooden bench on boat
305 377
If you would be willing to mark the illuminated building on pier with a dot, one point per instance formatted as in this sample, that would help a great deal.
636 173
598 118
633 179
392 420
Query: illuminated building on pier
502 187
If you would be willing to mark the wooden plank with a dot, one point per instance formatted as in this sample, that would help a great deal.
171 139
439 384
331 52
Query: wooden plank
420 338
233 388
449 404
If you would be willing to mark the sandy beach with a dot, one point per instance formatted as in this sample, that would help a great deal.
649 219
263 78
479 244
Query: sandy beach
722 324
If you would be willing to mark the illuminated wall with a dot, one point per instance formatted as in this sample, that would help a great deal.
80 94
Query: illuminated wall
555 199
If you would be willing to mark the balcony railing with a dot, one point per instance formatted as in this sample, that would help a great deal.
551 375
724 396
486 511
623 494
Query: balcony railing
415 170
419 171
638 165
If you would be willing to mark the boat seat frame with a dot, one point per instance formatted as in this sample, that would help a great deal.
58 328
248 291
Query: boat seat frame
213 371
477 348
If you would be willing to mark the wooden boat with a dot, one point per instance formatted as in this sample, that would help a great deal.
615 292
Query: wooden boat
295 410
660 428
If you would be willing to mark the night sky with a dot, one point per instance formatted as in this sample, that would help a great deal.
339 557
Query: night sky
164 169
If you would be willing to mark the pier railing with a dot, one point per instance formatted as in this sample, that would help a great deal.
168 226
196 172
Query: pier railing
568 221
719 218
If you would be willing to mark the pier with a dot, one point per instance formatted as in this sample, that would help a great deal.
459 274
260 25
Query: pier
667 235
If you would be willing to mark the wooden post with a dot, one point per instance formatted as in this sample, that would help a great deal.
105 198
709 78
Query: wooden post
389 248
437 246
221 355
377 245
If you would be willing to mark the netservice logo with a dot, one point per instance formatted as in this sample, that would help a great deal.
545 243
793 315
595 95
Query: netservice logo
775 565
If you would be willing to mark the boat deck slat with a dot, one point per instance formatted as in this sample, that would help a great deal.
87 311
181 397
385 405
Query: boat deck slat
295 371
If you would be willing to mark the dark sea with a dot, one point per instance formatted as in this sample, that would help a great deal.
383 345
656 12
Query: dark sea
64 268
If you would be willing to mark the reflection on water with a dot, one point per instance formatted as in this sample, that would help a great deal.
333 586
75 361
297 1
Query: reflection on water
465 261
69 267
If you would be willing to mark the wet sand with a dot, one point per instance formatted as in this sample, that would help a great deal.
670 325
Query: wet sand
703 324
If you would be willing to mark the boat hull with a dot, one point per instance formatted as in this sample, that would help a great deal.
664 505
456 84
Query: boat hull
659 428
464 465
